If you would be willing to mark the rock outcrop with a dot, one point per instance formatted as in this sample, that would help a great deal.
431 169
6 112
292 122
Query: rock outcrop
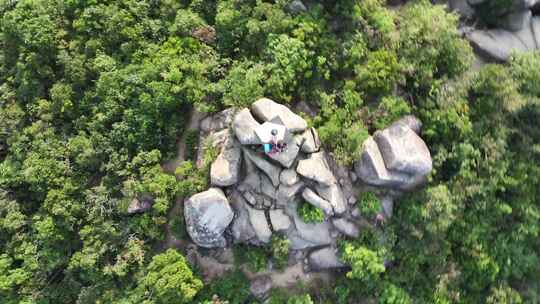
394 157
225 170
266 109
324 258
207 215
512 29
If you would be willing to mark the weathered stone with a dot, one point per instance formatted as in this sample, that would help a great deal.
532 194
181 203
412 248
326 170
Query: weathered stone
213 139
296 7
260 287
280 221
325 258
334 196
499 44
310 141
266 109
267 188
312 198
316 168
289 177
285 194
241 229
225 170
346 227
462 7
207 215
403 150
268 168
244 126
139 205
314 234
287 157
388 205
259 224
397 157
218 121
412 122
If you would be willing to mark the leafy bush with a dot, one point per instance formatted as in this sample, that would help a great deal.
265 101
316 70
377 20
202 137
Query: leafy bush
309 213
431 48
369 204
191 142
280 250
255 257
232 287
524 72
389 110
380 74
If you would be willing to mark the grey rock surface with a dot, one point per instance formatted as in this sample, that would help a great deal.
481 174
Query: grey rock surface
259 224
280 221
324 258
310 141
287 157
225 170
244 126
314 199
396 157
289 177
403 150
334 195
265 109
207 215
316 168
241 229
218 121
260 287
271 170
286 194
346 227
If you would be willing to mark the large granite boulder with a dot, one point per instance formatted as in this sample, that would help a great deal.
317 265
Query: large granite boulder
207 215
259 224
244 126
316 168
225 170
240 228
310 141
324 258
346 227
395 157
317 201
271 170
500 44
280 221
288 156
266 109
403 150
218 121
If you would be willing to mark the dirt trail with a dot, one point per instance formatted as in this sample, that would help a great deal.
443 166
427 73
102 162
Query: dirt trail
170 167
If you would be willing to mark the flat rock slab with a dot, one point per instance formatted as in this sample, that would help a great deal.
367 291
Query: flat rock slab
207 215
403 150
316 168
271 170
225 170
325 258
311 197
346 227
280 221
259 224
289 177
287 157
265 109
241 229
244 126
334 195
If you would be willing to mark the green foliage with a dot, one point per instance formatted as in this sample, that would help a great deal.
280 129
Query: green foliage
309 213
244 84
280 250
389 110
255 257
394 295
191 142
303 299
380 74
431 49
232 287
523 71
169 280
366 264
369 204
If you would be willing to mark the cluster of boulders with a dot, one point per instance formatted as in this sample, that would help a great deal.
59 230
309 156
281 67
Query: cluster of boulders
254 195
515 27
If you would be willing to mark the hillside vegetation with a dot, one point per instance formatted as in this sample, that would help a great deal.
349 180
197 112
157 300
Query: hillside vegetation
95 94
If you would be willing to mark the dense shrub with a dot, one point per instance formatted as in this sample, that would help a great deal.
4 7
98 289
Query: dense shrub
280 250
309 213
